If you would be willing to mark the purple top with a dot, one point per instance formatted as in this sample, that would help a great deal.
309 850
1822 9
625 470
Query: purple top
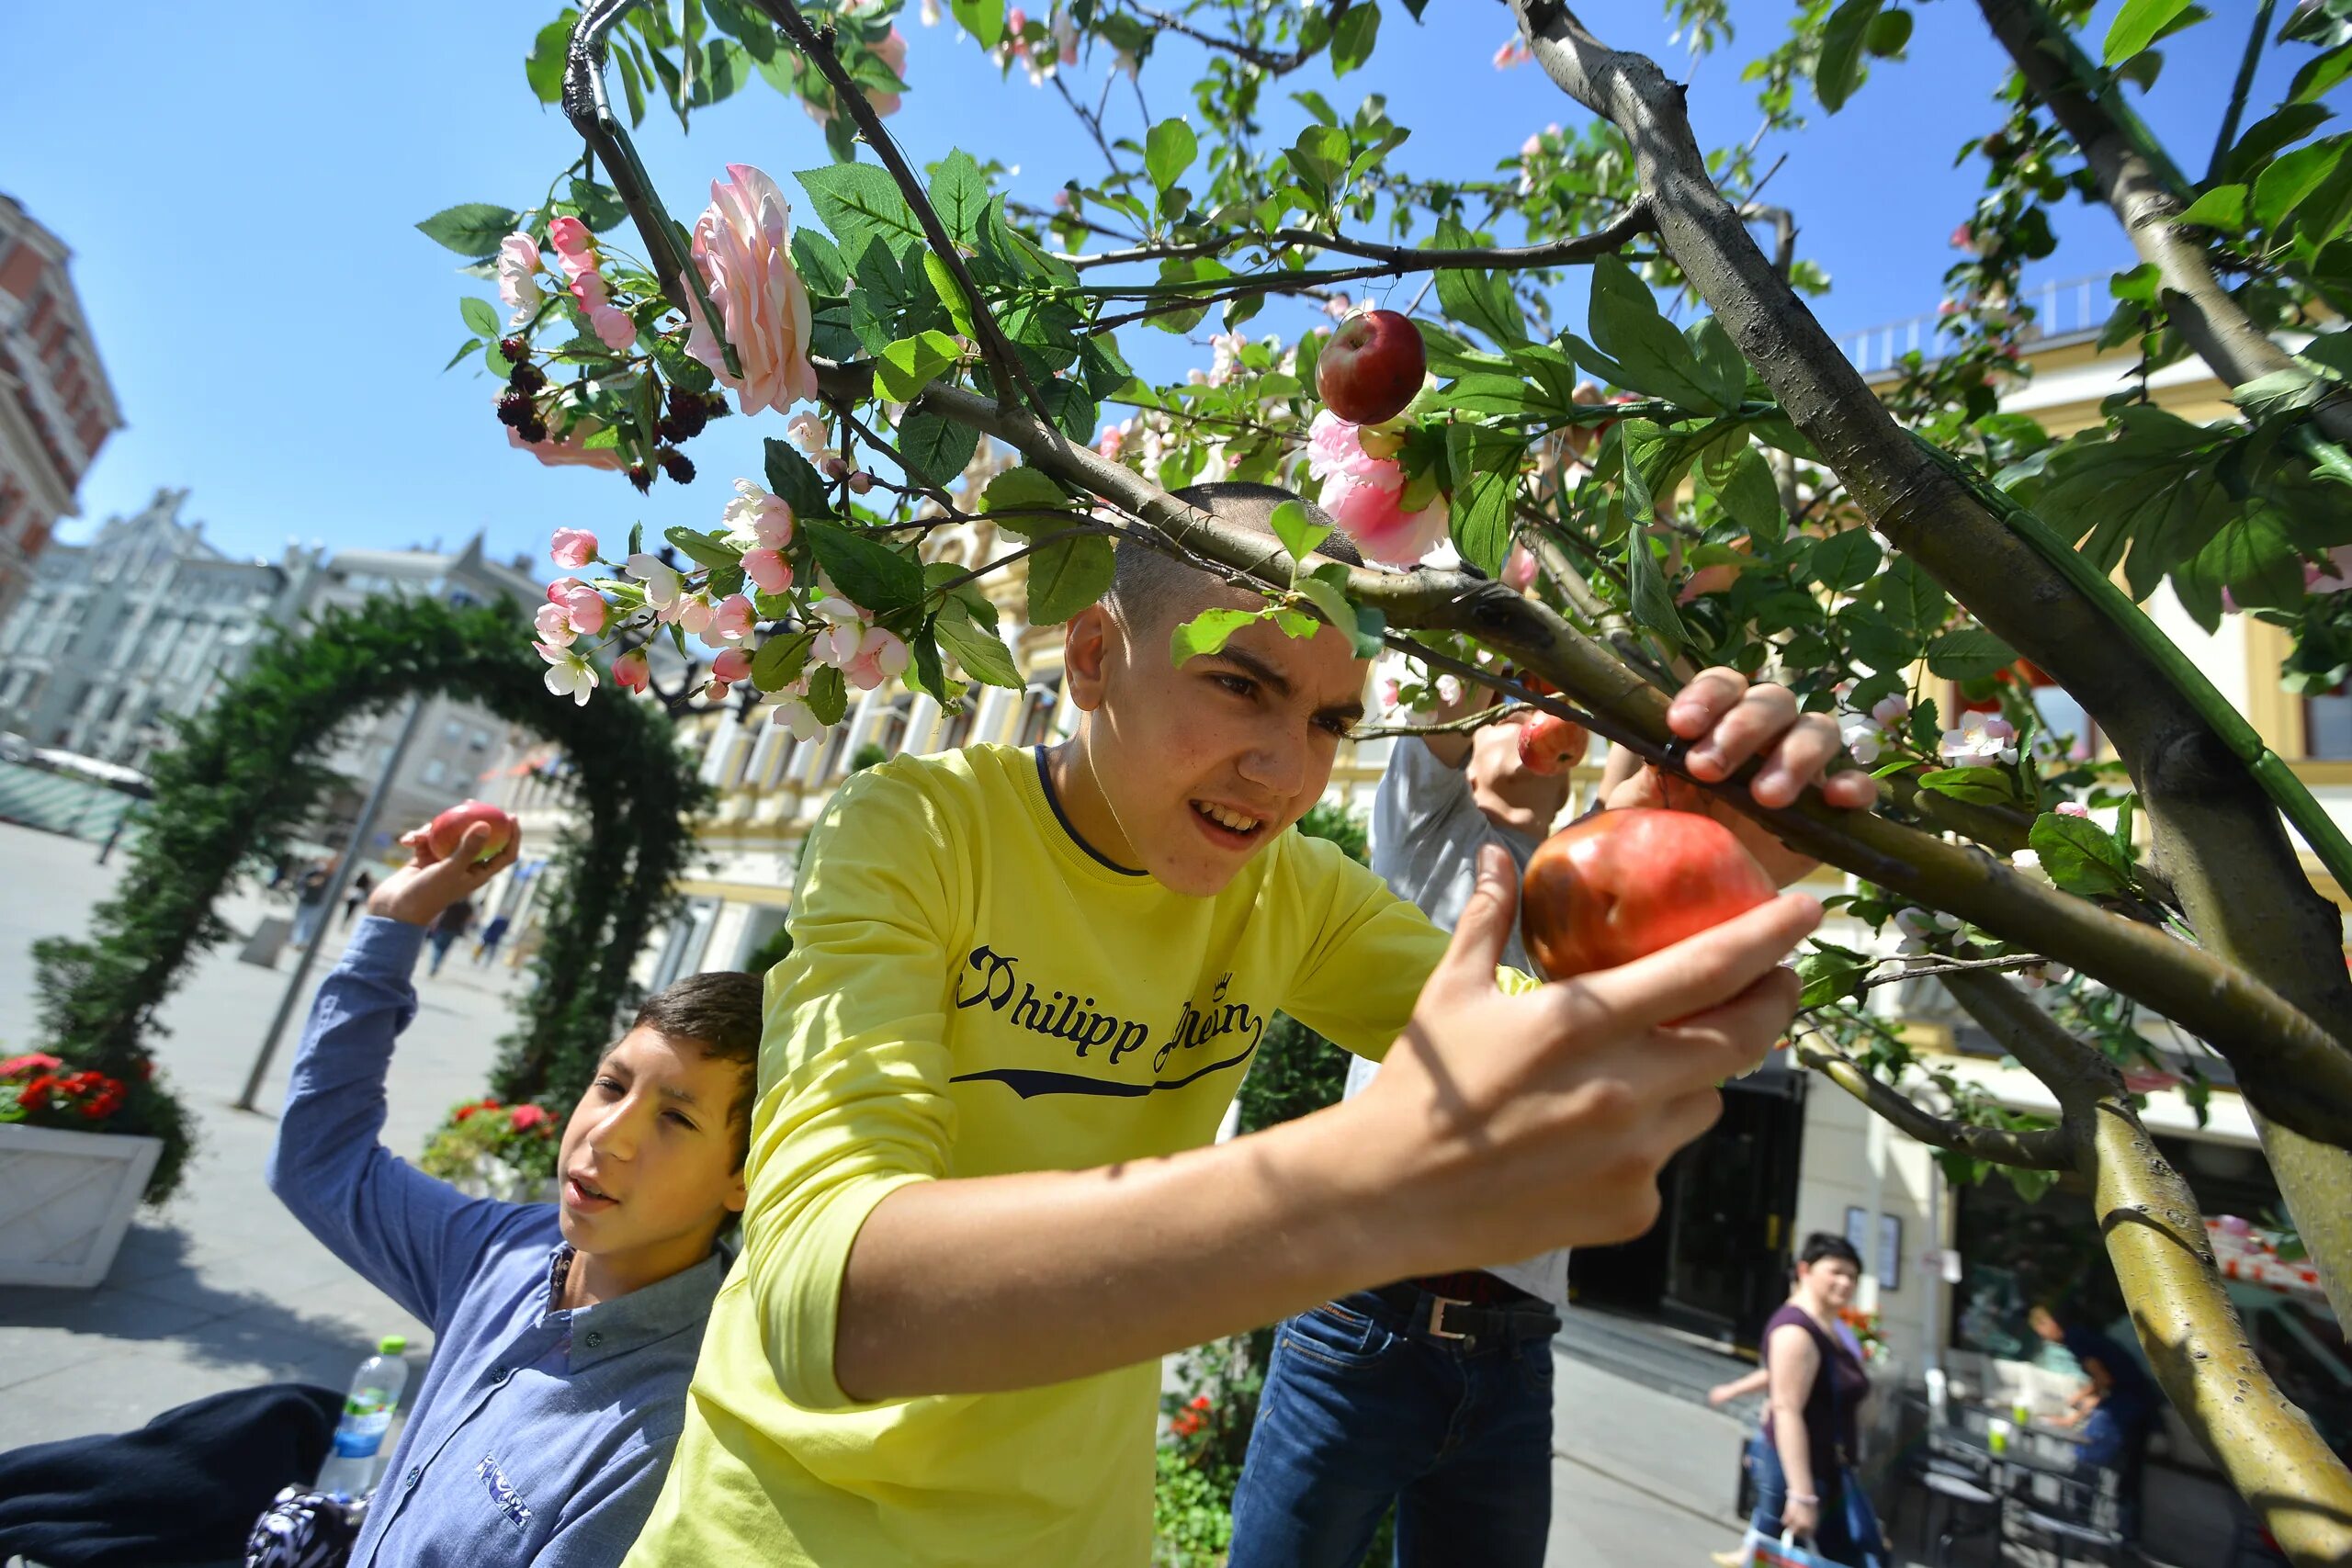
1833 1404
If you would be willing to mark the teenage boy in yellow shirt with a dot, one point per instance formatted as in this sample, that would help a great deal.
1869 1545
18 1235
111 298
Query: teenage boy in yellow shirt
985 1197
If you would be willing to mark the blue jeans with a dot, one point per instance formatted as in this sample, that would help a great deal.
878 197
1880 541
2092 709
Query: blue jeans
1850 1530
1363 1407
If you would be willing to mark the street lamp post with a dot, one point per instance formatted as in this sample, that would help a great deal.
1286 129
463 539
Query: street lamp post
345 865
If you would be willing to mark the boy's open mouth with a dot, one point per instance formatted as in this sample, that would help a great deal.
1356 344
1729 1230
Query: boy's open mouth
586 1195
1227 826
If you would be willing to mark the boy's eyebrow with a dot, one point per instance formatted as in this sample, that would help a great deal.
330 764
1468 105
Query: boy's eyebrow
1279 684
670 1092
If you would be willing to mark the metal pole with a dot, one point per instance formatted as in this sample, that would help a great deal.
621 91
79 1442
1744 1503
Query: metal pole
345 865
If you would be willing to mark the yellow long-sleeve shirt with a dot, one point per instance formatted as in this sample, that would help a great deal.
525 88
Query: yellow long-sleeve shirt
972 991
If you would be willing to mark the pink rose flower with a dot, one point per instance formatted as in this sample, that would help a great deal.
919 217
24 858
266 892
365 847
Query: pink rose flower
574 548
1382 529
586 607
1335 448
741 248
875 658
611 323
632 671
568 452
519 276
768 571
553 622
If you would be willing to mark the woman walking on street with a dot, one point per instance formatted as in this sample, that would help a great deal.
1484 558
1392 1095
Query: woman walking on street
1805 1482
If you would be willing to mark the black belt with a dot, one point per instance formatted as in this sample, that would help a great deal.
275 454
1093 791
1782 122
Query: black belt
1444 1317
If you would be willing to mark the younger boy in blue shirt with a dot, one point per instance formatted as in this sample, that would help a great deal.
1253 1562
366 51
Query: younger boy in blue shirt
564 1334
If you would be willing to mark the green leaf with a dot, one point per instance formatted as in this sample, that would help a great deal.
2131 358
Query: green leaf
466 348
910 364
950 294
1719 362
1978 787
599 206
2222 207
978 651
819 263
938 449
1207 632
1969 654
2292 177
1841 63
543 67
1299 535
1911 599
1846 560
1333 605
2136 27
1480 299
2319 74
828 695
876 577
2080 856
796 479
472 229
860 204
1484 465
780 659
1067 576
959 193
1749 495
2280 128
1025 489
704 548
1644 353
1352 37
1653 605
679 367
1830 974
479 318
984 19
1168 151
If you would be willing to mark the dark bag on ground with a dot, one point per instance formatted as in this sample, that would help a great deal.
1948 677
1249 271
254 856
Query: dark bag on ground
185 1488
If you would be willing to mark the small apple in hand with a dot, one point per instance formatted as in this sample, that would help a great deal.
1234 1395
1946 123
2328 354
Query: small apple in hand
1549 744
1621 885
1372 368
449 829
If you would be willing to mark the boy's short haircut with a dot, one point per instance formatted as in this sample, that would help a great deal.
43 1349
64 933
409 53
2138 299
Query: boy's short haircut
719 1012
1147 585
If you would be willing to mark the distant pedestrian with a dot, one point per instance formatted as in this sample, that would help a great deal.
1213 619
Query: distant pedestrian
361 886
486 948
311 901
1806 1483
2117 1404
452 923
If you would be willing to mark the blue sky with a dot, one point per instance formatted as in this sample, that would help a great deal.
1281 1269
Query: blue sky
239 185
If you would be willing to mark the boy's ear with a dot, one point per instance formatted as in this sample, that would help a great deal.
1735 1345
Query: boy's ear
739 1193
1087 647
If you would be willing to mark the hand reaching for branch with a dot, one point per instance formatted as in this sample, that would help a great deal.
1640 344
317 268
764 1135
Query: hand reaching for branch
1728 722
428 884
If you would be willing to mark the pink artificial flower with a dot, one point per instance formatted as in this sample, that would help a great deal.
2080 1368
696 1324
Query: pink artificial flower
741 248
567 452
931 12
1061 199
612 324
1391 693
1016 22
1891 711
519 276
632 671
1965 239
807 432
2073 808
892 53
1518 569
1514 51
574 548
1382 528
877 657
1113 439
731 621
575 247
561 586
1065 39
553 622
1335 447
730 667
586 607
694 614
757 519
768 571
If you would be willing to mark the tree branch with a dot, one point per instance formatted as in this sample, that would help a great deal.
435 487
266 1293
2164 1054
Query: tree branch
1004 365
2042 1148
2149 205
2228 137
2244 1017
2240 882
2180 1308
1272 64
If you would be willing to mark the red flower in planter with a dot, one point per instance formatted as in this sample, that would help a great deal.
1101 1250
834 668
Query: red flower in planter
522 1118
31 1061
35 1093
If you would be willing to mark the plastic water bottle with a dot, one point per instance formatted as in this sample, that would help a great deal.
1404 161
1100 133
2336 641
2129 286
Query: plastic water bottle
376 1388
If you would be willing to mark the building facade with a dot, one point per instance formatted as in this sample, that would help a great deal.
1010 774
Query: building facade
148 622
56 407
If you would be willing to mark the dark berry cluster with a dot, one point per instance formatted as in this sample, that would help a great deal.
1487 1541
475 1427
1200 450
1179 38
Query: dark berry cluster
517 409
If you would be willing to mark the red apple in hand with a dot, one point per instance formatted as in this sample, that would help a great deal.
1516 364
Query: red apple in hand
449 829
1549 744
1372 368
1620 885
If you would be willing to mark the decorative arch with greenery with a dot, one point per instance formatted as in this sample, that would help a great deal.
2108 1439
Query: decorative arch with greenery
242 781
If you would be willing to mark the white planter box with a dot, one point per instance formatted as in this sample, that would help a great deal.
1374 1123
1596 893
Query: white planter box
494 1178
65 1199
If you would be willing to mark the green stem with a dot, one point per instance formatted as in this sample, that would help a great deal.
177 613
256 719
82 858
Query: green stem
2269 770
2229 136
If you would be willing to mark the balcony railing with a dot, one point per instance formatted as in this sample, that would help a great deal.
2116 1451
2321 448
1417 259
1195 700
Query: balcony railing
2062 307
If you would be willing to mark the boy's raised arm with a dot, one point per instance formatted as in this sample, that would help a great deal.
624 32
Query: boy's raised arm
401 1229
1503 1125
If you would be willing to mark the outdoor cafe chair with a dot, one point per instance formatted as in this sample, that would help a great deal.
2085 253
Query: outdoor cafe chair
2076 1513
